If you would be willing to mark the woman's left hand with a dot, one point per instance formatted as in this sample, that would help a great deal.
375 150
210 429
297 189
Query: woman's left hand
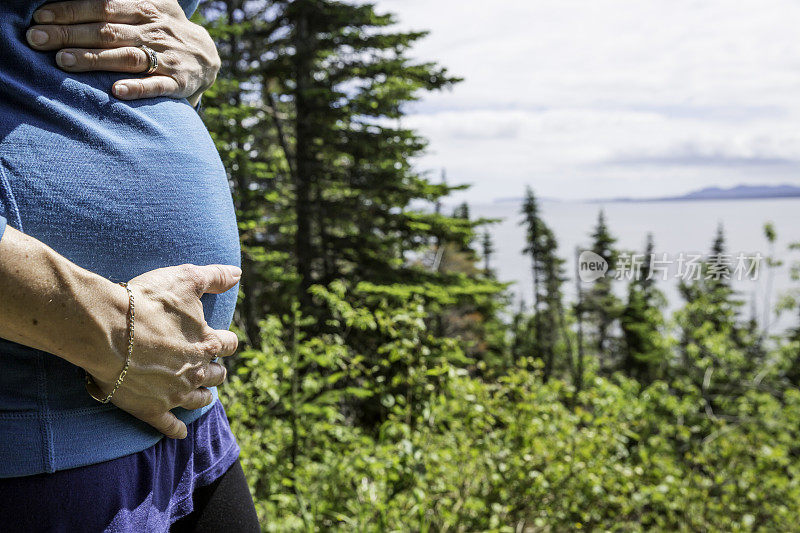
93 35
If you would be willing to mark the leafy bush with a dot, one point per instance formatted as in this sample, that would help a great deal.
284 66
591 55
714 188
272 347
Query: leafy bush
514 454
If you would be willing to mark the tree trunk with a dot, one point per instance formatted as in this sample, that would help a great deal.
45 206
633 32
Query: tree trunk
305 161
579 314
249 309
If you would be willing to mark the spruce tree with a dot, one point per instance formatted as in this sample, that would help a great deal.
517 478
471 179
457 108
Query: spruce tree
645 352
533 248
532 223
792 372
487 249
548 277
714 347
601 305
552 323
462 211
521 342
306 115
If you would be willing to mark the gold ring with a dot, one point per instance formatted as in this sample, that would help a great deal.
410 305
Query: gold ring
152 59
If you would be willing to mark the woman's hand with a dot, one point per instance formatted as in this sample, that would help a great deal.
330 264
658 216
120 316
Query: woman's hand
92 35
171 364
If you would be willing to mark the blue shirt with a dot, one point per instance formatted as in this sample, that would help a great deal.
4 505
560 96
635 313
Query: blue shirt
119 188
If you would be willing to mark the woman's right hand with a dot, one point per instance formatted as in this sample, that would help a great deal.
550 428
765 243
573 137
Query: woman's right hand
171 363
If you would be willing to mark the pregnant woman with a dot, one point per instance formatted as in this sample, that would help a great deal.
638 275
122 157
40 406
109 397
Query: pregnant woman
119 274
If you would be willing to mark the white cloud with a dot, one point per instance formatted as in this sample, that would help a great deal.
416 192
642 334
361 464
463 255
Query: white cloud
587 98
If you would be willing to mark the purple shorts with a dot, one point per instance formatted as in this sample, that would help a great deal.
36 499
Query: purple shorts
144 491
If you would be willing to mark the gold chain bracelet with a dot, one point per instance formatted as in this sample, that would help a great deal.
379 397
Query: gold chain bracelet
90 380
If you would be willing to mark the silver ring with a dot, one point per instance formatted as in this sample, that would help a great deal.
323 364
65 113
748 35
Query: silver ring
152 58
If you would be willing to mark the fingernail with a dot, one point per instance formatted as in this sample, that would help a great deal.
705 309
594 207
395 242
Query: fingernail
237 272
121 90
65 59
44 16
37 36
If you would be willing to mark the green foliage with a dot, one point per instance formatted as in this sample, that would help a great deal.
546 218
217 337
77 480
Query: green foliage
460 452
380 388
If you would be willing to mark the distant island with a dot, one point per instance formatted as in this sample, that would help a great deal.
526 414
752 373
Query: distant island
738 192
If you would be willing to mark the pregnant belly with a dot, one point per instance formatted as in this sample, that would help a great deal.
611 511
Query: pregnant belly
119 188
123 190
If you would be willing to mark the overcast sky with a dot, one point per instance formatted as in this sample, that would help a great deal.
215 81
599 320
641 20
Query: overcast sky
606 98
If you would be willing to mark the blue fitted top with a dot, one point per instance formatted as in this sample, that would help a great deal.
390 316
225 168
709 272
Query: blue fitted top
119 188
